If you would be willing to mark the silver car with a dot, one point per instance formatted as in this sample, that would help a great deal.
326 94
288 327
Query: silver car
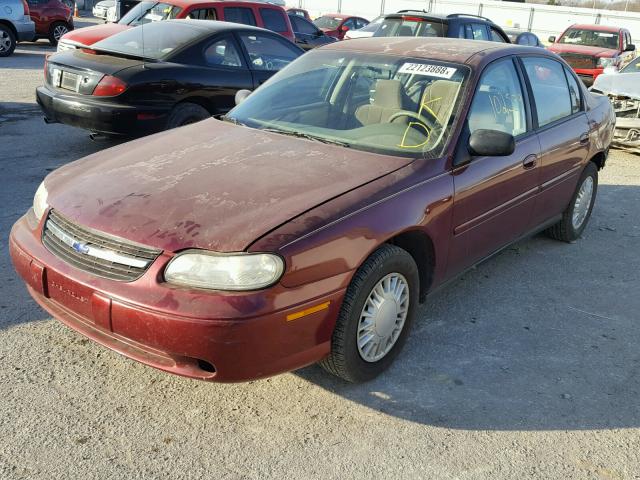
100 9
15 25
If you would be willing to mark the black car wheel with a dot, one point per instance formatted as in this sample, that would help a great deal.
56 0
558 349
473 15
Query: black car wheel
56 31
186 113
376 315
577 214
7 41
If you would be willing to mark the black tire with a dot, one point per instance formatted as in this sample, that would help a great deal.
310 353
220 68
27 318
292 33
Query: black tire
56 30
186 113
7 41
565 230
345 361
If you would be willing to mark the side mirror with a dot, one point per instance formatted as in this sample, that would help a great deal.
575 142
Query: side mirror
491 143
344 28
552 39
241 96
630 48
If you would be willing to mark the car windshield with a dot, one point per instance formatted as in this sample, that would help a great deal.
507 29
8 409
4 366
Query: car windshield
327 22
154 41
408 26
590 38
633 67
146 12
372 102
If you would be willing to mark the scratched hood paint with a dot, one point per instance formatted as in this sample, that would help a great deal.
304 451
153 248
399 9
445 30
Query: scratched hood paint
210 185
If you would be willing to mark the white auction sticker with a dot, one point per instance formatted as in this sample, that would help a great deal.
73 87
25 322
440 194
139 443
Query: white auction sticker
426 69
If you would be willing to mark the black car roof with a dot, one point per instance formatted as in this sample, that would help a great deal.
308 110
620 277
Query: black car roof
438 16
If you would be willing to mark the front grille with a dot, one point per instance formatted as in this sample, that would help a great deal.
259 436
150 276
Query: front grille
576 60
95 252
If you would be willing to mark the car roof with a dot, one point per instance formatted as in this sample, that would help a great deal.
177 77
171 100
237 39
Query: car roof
456 50
337 15
599 28
439 16
189 3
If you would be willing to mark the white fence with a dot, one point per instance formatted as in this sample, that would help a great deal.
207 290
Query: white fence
543 20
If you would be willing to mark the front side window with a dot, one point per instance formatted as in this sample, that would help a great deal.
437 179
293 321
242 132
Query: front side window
498 103
479 31
380 103
146 12
222 53
550 89
590 38
267 52
273 20
574 92
241 15
330 23
302 25
202 14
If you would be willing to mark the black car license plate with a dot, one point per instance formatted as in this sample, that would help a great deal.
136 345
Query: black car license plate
69 81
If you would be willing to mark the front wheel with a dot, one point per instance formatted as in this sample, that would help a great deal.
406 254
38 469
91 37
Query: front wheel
577 214
376 316
7 41
56 31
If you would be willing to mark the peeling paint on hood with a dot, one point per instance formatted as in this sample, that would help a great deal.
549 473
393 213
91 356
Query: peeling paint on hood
210 185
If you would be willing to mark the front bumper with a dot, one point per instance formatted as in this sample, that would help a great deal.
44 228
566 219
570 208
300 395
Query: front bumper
216 336
588 75
100 115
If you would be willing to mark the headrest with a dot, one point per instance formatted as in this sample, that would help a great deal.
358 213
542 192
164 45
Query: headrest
388 94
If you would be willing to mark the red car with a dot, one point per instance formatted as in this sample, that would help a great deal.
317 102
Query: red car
336 25
271 17
589 49
53 18
307 228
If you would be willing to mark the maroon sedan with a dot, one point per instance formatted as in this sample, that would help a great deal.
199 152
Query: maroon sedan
53 18
337 25
307 228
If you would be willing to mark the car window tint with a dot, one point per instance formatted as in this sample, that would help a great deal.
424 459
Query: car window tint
351 24
222 53
267 52
242 15
574 92
498 103
479 31
496 37
203 14
301 25
273 19
550 89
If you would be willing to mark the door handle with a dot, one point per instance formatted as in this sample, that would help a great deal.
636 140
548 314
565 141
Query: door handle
584 139
530 162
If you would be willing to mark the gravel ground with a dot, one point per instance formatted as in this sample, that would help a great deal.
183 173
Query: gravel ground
528 366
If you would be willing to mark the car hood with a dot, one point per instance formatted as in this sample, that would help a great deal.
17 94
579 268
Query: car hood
210 185
90 35
560 48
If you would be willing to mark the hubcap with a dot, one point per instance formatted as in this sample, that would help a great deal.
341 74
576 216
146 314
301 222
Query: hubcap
583 202
59 31
382 317
5 41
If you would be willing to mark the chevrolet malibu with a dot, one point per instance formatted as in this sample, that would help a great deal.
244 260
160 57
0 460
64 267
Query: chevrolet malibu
307 228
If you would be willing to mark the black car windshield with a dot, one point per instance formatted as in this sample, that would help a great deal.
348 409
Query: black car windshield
146 12
408 26
159 41
327 22
590 38
372 102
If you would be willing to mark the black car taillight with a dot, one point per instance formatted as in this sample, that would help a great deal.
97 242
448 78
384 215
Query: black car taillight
109 86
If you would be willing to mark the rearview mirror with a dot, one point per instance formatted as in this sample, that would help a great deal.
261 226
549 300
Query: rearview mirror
241 96
552 39
491 143
630 48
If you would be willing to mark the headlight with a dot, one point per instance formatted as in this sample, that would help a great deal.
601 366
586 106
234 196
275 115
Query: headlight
40 201
607 62
217 271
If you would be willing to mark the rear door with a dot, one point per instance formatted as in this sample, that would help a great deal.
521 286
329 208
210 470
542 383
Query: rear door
563 128
494 197
266 53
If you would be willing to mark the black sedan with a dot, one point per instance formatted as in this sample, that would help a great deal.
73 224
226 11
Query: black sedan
161 75
307 35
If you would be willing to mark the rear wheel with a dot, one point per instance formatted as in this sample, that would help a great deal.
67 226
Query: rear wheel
186 113
577 214
376 316
56 31
7 41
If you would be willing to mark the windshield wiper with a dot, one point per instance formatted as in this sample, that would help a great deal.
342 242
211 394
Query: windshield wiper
226 118
307 136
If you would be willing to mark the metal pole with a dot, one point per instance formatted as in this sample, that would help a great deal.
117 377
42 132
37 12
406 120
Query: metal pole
382 7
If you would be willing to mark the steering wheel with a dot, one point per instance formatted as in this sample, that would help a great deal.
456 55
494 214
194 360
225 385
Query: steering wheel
431 122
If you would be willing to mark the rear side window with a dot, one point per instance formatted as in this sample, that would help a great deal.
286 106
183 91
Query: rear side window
498 103
203 14
222 53
268 52
496 37
574 92
242 15
273 20
301 25
550 89
479 32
